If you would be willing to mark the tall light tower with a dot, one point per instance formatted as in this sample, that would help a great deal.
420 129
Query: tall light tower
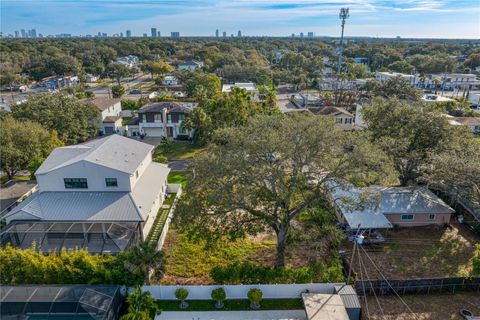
343 16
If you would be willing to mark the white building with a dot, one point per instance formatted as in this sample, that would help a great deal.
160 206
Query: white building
430 98
170 80
129 61
110 110
190 65
385 76
249 86
90 78
103 195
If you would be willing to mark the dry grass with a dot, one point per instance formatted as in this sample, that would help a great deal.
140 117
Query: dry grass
425 307
424 252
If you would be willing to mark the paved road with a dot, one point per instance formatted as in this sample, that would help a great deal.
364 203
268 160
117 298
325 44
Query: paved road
178 165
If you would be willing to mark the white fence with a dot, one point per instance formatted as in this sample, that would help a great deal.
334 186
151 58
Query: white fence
171 188
270 291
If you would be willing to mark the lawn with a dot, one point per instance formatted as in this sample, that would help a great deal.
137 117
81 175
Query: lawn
159 223
421 252
232 305
4 179
177 177
180 150
425 307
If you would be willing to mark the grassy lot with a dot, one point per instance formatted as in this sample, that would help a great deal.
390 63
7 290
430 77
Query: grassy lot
177 177
425 307
181 150
429 252
232 305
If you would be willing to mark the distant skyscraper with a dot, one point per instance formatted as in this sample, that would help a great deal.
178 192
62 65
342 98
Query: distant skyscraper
175 34
217 33
224 34
121 34
239 33
153 32
144 35
17 34
24 35
99 34
301 34
128 33
293 35
159 34
33 33
40 35
104 35
310 35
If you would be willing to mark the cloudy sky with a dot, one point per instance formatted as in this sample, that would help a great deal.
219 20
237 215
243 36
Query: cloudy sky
383 18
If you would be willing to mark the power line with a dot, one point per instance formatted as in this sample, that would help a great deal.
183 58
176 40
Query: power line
363 283
394 291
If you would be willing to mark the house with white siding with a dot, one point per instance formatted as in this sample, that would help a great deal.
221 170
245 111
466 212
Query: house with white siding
102 195
110 112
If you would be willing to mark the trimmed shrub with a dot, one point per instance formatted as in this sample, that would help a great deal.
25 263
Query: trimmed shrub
219 296
118 91
182 294
255 296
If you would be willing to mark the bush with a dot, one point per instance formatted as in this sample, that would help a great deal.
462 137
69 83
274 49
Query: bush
248 273
28 266
219 294
118 91
141 305
476 260
160 158
255 296
89 94
181 294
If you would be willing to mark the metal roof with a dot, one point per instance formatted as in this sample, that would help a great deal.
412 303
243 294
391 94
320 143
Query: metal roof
115 152
321 306
79 206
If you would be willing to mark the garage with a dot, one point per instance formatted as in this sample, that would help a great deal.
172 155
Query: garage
153 132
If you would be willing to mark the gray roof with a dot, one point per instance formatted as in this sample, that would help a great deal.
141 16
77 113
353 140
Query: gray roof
104 103
172 107
79 206
115 152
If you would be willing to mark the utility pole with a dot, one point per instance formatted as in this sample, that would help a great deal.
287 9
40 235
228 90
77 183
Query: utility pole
343 16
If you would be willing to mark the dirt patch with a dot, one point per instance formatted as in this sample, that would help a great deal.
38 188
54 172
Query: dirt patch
434 307
423 252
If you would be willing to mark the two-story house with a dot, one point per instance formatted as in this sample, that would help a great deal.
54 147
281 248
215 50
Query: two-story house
343 119
190 65
164 119
110 110
102 195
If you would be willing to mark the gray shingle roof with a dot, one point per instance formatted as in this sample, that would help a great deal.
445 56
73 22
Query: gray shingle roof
79 206
115 152
104 103
172 107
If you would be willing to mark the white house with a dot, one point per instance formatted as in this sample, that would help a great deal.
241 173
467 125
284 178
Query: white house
385 76
90 78
129 61
249 86
110 111
170 80
102 195
190 65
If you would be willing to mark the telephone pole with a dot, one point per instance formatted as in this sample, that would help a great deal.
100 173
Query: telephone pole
343 16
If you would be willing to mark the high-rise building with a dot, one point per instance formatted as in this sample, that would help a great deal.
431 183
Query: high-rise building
24 34
17 34
175 34
224 34
159 34
239 33
40 35
104 35
33 33
310 35
128 33
217 33
121 34
99 34
301 34
293 35
153 32
144 35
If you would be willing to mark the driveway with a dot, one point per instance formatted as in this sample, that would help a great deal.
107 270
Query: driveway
233 315
178 165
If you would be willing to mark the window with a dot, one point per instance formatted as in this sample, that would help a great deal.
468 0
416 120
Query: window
407 217
338 120
169 118
348 121
431 216
157 117
181 117
111 182
75 183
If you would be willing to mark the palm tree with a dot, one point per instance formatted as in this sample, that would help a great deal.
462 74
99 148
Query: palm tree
144 257
141 306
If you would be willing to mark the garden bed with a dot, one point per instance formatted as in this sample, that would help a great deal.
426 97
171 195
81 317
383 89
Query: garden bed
160 220
232 305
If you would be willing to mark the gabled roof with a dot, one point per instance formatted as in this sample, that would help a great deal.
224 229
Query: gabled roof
104 103
326 111
115 152
110 119
172 107
79 206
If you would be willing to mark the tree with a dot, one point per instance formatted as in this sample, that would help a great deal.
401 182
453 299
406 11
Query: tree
144 257
408 134
73 120
262 175
358 70
401 66
156 67
141 306
473 61
118 91
118 71
395 87
23 143
219 295
210 83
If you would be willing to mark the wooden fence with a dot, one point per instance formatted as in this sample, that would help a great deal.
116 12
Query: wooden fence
417 286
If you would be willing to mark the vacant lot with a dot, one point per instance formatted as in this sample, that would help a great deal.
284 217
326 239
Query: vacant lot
431 252
441 307
180 150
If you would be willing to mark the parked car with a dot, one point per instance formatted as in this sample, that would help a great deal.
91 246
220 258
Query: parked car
135 91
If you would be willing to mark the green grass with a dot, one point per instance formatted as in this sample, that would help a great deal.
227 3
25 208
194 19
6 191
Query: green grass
4 179
160 220
232 305
182 150
177 177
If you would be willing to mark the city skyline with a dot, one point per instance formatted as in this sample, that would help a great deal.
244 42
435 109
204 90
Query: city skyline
382 18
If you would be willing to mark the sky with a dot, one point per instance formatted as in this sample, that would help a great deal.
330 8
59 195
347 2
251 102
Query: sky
374 18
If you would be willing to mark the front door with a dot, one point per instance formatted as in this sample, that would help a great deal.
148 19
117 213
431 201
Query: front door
169 132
